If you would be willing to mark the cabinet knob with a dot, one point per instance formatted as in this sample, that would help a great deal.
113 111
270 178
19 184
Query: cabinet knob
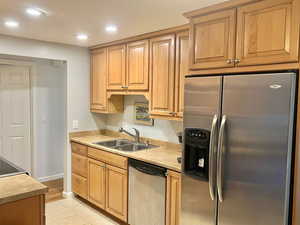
229 61
236 61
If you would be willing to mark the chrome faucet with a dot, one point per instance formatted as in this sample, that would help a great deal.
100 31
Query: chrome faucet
136 136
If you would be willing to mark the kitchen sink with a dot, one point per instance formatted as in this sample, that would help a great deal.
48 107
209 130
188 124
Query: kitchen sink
125 145
114 143
135 147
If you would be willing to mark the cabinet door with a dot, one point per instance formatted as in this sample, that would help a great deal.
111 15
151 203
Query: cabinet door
267 32
162 63
116 192
98 80
96 183
79 185
138 65
182 69
79 165
173 198
213 40
116 67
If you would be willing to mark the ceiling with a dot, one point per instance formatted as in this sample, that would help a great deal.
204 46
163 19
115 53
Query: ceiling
66 18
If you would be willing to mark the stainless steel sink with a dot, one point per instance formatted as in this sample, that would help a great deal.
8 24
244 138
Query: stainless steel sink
114 143
125 145
135 147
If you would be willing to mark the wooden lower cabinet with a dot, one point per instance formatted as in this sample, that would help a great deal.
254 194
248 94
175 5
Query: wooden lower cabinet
79 185
96 183
79 165
116 192
173 198
28 211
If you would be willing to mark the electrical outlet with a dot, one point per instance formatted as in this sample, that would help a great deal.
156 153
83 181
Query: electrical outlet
75 124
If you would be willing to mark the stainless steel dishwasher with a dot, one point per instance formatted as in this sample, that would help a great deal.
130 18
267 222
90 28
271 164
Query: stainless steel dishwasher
147 194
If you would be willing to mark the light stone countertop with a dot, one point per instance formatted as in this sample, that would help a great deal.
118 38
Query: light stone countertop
165 156
19 187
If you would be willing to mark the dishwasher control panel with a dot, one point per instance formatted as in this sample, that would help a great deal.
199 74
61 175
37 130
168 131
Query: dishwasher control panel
196 152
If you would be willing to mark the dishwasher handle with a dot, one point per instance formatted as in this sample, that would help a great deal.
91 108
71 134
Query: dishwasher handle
147 168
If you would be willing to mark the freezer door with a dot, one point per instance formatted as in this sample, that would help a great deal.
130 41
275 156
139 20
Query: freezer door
202 101
256 158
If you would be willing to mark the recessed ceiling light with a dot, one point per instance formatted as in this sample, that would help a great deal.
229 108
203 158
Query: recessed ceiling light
11 23
34 12
82 37
111 28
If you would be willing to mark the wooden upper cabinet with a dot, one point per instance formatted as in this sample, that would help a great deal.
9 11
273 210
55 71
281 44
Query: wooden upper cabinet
116 67
137 64
116 192
213 40
162 74
267 32
96 183
98 80
182 69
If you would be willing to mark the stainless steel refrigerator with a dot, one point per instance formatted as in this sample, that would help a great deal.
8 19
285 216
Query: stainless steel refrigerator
238 146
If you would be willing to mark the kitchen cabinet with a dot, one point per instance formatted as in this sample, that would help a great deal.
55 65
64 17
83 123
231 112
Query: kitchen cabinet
79 170
137 66
162 64
79 185
173 198
254 34
181 70
107 182
213 40
267 33
116 192
96 183
98 80
79 164
100 103
28 211
116 67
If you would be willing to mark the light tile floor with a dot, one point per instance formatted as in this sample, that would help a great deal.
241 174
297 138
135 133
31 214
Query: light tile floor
71 211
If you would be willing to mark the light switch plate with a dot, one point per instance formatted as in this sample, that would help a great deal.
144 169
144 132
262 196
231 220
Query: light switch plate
75 124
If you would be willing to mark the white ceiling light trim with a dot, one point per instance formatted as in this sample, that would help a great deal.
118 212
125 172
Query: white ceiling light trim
82 37
33 12
11 23
111 28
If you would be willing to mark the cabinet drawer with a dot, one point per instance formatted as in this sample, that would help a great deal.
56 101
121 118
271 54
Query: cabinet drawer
79 165
108 157
79 185
79 149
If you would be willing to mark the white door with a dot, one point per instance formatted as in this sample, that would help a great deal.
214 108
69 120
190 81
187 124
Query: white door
15 115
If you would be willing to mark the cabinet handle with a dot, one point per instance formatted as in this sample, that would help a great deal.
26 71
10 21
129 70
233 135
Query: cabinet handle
173 113
229 61
236 61
125 87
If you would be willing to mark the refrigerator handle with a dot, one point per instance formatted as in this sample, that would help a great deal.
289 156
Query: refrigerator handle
220 159
212 153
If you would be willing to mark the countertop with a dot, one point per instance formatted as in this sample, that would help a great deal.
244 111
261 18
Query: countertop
165 156
19 187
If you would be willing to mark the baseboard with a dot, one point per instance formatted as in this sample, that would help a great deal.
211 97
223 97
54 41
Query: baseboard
53 177
68 194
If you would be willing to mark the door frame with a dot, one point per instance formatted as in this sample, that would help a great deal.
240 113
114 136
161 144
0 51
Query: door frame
32 71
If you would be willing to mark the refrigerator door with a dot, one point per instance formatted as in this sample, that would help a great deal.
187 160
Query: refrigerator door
257 148
202 110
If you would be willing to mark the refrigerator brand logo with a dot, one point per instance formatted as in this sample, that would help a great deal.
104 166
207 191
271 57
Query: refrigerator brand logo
275 86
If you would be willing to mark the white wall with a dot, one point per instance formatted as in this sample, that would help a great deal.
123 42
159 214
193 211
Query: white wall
163 129
78 67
